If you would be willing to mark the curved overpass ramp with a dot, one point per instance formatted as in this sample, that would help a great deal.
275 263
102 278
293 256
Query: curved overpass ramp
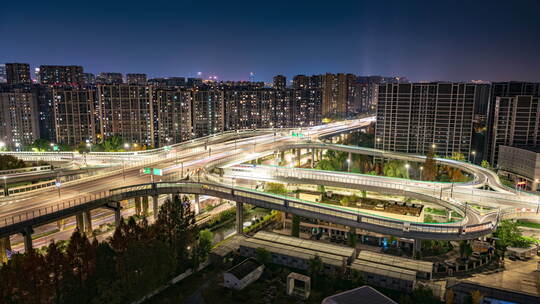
330 213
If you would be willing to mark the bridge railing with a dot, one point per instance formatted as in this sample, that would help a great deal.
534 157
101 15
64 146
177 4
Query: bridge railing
27 169
270 200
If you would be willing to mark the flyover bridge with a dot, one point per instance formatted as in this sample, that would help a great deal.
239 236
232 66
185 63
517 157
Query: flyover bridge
335 214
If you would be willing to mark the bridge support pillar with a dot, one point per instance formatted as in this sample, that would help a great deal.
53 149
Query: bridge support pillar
87 215
27 234
298 156
349 161
80 222
61 224
138 206
145 206
239 218
117 216
155 206
197 204
5 245
534 186
417 246
312 158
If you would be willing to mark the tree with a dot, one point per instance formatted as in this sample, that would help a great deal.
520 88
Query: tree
395 168
430 167
8 162
465 249
113 144
176 227
39 145
263 256
276 188
206 238
485 164
457 156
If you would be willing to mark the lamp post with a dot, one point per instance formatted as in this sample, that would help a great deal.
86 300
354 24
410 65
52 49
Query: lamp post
89 145
2 145
474 156
421 172
126 146
123 169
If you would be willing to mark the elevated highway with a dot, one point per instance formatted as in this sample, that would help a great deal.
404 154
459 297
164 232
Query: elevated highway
222 150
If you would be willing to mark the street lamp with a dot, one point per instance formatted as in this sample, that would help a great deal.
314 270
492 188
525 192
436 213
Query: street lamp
2 145
474 156
421 172
89 145
126 146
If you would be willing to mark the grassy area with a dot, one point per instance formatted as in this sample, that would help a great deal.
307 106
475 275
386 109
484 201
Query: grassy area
440 212
528 224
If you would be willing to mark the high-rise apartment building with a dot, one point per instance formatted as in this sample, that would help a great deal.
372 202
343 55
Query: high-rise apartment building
17 73
306 106
503 89
3 74
338 94
280 82
110 78
138 79
300 82
515 123
208 112
61 75
415 117
89 79
126 111
47 129
18 118
172 116
249 109
74 115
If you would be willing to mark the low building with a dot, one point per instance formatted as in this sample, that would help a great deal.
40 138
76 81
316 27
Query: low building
386 276
363 294
463 290
297 253
521 163
243 274
522 253
423 269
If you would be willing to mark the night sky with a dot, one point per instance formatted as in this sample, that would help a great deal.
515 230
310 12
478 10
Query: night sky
449 40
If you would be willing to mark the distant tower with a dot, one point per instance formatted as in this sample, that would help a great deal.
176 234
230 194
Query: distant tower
252 77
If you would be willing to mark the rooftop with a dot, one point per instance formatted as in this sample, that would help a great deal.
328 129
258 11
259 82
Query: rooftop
367 294
396 261
307 244
243 269
384 270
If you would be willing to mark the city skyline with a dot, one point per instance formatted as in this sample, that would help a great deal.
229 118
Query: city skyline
462 42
